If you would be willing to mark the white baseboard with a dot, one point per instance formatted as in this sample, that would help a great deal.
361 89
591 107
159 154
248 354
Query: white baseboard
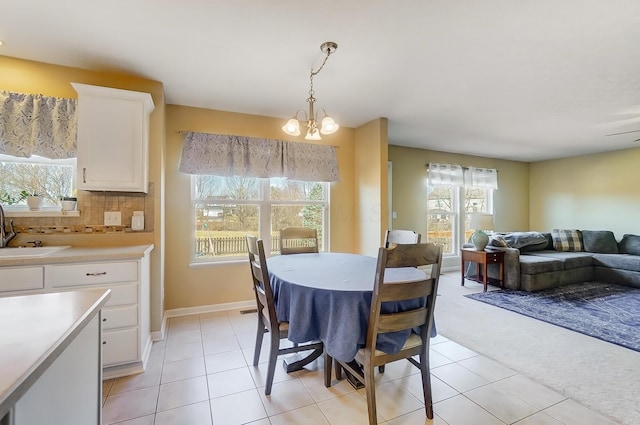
211 308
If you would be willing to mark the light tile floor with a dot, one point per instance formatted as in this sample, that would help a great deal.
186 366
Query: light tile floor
201 374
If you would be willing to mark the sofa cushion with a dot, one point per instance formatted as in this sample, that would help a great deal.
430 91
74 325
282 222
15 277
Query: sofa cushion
534 264
568 240
600 241
618 261
630 244
570 260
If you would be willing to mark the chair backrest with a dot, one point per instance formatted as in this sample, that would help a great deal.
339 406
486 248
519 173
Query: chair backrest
401 237
261 283
298 240
405 255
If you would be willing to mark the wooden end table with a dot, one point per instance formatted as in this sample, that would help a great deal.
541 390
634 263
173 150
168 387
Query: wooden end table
483 258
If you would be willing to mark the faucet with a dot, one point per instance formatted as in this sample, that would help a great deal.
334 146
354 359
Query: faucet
4 236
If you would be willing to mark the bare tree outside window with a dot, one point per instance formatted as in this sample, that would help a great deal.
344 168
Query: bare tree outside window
51 179
228 208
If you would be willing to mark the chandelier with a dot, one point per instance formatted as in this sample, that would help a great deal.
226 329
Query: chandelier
327 124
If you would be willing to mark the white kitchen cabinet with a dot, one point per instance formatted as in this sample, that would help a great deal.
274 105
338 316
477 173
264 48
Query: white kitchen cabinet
21 279
77 370
126 337
113 139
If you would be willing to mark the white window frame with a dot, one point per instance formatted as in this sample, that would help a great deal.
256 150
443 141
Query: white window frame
264 204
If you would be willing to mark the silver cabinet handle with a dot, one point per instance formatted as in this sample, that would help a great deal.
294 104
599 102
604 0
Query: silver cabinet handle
97 274
84 175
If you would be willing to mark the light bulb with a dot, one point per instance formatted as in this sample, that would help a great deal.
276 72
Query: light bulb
313 135
329 126
292 127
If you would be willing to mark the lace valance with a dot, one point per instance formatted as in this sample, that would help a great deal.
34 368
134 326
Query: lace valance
33 124
228 155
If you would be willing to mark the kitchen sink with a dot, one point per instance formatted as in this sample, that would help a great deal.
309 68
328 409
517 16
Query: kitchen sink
26 252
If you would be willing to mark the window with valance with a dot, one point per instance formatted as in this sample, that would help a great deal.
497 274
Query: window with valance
244 185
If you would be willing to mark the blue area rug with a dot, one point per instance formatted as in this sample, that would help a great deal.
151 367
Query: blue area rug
601 310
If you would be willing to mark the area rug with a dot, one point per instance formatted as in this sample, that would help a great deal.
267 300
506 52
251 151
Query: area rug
601 310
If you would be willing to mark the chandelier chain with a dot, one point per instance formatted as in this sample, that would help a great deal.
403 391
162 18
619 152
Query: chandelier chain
313 73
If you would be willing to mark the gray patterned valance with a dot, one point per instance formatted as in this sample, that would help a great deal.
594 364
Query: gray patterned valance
227 155
33 124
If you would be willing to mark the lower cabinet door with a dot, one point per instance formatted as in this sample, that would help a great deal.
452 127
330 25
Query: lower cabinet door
119 346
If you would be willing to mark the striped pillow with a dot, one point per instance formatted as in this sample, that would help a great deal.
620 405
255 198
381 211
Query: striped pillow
566 240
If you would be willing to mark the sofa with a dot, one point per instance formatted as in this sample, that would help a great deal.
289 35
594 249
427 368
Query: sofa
536 260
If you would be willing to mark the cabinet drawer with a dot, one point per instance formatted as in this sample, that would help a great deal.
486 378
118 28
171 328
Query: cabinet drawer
21 279
123 295
119 317
120 346
494 257
93 273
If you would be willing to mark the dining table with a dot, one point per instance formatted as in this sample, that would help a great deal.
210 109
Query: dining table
327 297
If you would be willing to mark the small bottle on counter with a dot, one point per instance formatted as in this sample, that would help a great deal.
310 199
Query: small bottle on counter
137 221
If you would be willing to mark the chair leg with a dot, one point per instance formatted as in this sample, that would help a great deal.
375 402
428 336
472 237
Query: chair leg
426 385
339 376
370 389
328 362
381 368
273 358
259 335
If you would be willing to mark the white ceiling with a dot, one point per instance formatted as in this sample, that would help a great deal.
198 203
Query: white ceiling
515 79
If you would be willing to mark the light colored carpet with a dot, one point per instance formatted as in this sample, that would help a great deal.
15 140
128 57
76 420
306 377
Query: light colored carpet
601 376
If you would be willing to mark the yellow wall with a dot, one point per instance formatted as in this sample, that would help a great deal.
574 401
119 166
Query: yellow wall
594 192
409 200
51 80
230 283
371 153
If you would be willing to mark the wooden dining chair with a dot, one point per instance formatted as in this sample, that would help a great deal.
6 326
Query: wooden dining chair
401 237
298 240
368 357
267 317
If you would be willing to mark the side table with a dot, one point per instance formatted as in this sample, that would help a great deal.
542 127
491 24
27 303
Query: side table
483 258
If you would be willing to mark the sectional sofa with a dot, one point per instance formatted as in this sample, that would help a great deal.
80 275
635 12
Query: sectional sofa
534 261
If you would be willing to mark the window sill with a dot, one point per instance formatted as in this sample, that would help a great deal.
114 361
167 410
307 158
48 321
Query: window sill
45 212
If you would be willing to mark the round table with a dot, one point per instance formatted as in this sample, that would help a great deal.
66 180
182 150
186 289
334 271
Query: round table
327 297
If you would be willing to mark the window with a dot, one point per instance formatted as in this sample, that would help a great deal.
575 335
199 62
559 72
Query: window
448 209
225 209
51 178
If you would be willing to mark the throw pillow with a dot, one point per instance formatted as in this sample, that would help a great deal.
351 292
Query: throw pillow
600 241
566 239
630 244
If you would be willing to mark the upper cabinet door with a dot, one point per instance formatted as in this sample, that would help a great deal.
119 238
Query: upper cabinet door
113 139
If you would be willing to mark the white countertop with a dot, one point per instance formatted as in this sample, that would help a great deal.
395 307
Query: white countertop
81 254
34 330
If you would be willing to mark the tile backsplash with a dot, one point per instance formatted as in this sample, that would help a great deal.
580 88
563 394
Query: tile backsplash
92 206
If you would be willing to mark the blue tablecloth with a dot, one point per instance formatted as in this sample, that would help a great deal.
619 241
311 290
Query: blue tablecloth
327 297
